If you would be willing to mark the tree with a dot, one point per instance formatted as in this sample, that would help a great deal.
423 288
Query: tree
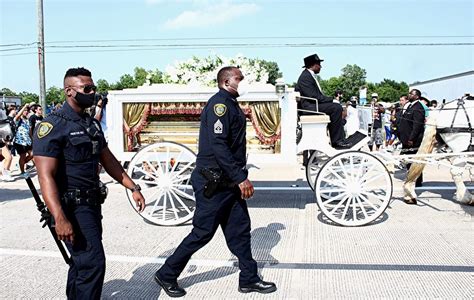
8 92
55 94
102 86
389 90
352 78
155 76
273 71
331 85
27 97
140 76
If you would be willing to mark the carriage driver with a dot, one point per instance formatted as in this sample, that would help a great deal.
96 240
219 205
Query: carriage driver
308 86
68 147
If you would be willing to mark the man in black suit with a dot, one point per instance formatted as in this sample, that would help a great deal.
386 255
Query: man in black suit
412 128
308 86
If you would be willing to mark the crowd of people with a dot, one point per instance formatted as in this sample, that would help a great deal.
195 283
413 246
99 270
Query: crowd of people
22 121
384 128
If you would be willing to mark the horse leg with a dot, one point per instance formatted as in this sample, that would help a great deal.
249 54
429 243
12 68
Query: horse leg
462 193
409 189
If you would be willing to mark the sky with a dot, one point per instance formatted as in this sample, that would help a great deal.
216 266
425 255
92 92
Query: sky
402 40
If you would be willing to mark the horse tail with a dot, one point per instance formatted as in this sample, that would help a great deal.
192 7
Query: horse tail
426 147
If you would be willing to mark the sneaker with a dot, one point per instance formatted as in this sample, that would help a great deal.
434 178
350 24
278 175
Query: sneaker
24 175
7 178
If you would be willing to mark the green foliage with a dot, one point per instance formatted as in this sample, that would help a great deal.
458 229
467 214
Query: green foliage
55 94
331 85
8 92
272 69
102 86
27 97
352 78
388 90
140 75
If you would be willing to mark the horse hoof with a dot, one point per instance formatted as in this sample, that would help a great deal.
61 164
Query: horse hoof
410 201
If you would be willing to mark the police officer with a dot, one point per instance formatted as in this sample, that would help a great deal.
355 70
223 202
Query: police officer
221 155
68 147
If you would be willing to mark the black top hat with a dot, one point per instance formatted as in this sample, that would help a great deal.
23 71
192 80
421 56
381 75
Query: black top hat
311 60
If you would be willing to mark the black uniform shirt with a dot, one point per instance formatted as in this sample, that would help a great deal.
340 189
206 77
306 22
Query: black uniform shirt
64 135
222 142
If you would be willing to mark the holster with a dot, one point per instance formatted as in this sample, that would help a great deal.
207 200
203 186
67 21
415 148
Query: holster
92 197
215 180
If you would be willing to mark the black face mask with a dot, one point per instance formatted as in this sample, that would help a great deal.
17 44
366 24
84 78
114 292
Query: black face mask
85 100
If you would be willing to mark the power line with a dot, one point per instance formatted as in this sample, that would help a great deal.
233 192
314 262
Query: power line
250 38
131 48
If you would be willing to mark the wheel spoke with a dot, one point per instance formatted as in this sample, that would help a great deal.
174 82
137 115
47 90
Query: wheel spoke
180 202
183 186
346 208
372 167
156 203
327 191
167 159
183 194
335 174
372 178
343 168
374 195
184 169
366 199
361 206
181 178
145 172
159 173
163 213
173 206
177 161
331 182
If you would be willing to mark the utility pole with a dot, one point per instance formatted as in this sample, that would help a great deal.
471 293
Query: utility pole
42 95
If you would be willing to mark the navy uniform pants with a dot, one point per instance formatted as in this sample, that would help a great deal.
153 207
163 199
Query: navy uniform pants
227 209
87 269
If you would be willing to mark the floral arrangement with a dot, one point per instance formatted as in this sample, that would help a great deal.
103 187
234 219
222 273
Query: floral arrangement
203 71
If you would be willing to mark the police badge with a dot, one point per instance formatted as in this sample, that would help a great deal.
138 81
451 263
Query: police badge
220 109
44 129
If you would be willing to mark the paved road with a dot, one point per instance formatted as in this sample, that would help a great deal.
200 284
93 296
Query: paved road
422 251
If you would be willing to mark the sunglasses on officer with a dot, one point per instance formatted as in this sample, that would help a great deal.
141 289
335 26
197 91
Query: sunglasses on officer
87 88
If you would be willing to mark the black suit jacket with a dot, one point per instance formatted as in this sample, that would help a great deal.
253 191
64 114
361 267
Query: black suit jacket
412 124
307 87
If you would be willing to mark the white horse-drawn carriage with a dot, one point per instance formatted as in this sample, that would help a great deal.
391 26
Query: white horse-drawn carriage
352 186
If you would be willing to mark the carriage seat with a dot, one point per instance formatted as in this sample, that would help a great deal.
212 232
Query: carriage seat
318 119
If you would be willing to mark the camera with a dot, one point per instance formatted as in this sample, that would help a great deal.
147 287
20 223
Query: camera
101 96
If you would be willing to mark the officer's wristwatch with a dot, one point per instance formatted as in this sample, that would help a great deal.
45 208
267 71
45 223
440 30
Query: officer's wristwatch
136 188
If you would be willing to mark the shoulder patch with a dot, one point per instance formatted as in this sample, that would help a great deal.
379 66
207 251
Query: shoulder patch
220 109
44 129
218 127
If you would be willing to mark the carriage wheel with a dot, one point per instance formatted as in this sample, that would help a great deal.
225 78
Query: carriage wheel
316 160
163 171
353 188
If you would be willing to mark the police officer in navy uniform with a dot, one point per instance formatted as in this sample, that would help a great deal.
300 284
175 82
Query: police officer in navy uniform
68 147
222 150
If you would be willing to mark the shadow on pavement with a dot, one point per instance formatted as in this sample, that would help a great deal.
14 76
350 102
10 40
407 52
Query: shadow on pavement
15 195
142 285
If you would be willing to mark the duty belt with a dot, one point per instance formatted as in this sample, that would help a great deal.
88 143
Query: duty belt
84 197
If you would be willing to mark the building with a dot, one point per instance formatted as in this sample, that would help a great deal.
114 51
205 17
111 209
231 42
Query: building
448 87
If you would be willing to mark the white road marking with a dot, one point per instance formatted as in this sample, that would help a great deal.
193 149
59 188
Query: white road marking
307 188
262 264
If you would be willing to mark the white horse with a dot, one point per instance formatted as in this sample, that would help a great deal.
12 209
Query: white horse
454 122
